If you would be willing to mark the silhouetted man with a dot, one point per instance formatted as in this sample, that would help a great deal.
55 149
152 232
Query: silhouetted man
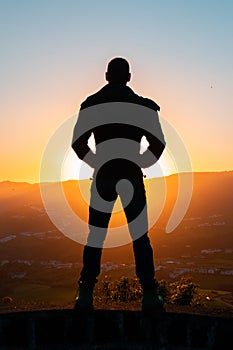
117 158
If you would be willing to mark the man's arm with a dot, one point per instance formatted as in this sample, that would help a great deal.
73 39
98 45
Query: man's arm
156 142
80 141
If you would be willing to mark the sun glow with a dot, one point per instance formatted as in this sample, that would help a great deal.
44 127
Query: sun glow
75 169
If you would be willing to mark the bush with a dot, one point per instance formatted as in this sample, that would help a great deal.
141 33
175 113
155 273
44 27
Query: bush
181 292
126 290
163 290
122 290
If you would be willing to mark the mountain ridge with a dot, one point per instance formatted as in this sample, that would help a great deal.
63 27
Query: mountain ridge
194 172
31 247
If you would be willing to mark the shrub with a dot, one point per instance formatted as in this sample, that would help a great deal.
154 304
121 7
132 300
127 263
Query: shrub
181 292
126 290
163 290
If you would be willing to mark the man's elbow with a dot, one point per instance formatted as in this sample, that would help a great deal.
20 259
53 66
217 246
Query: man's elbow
77 149
159 149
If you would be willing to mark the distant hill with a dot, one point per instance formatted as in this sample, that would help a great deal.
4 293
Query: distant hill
202 241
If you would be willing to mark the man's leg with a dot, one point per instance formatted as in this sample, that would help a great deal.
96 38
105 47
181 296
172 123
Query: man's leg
144 262
136 214
98 224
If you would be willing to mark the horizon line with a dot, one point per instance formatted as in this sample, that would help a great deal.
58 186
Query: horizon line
149 178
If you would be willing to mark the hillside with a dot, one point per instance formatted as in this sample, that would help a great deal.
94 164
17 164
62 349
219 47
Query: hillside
36 256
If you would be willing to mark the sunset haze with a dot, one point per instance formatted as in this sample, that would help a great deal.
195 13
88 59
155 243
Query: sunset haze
54 54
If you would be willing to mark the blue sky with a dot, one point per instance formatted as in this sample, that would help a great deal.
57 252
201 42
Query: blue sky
54 53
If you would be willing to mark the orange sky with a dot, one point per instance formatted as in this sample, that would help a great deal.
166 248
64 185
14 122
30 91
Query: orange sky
24 142
54 56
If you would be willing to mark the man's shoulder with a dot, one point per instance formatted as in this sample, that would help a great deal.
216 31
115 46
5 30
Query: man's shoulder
91 100
106 95
147 102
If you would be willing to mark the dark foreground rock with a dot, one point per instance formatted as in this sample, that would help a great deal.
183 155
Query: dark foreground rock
113 329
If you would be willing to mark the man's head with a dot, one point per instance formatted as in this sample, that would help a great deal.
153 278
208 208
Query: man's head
118 71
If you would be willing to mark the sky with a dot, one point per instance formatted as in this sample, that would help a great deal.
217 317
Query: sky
54 54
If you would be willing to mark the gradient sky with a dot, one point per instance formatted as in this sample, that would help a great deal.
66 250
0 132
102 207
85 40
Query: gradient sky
54 54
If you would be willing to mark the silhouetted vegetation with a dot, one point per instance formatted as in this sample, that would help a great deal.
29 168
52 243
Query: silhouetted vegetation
181 292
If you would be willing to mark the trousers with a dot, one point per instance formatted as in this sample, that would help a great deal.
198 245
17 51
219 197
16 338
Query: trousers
104 192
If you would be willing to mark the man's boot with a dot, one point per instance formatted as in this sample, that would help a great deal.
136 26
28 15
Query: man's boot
152 301
84 301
